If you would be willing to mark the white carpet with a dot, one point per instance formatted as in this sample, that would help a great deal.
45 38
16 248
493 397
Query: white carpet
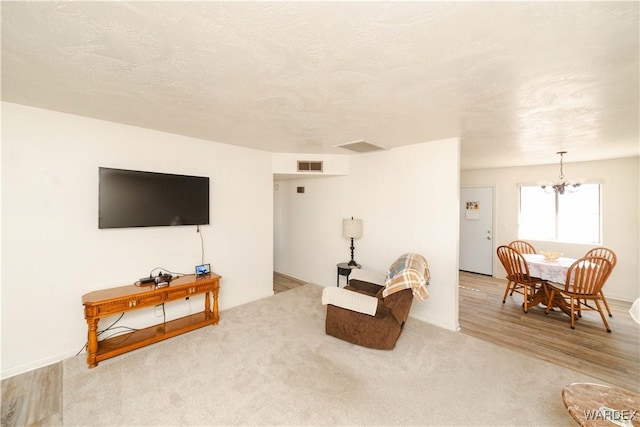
270 363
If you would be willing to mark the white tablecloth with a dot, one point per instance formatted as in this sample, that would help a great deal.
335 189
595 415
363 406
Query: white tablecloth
552 271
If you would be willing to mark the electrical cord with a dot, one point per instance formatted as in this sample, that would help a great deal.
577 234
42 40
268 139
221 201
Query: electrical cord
108 328
174 274
126 330
167 270
201 245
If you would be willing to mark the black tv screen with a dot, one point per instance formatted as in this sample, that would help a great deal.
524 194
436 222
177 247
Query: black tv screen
129 198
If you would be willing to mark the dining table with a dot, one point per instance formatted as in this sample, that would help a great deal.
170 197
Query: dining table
549 270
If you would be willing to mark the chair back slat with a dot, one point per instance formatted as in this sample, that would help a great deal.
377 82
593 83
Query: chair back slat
587 275
604 253
522 247
514 263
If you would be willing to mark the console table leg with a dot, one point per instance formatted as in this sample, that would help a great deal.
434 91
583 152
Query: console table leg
215 307
207 303
92 342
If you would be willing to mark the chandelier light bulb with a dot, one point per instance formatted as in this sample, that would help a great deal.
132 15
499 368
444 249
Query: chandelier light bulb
562 185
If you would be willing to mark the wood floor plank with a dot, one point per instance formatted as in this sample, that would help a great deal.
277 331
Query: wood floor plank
282 282
33 398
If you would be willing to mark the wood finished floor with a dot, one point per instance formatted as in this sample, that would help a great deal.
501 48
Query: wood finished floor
35 398
283 283
612 357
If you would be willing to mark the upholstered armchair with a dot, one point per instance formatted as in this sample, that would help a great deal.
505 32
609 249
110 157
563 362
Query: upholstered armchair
372 309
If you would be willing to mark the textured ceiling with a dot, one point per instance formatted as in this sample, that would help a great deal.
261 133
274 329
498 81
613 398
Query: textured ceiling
516 81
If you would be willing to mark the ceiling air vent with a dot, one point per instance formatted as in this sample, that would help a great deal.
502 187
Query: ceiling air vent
309 166
360 146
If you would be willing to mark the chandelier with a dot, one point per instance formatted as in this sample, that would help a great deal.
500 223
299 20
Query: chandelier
561 186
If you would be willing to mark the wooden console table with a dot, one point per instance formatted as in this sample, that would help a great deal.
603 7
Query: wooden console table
108 302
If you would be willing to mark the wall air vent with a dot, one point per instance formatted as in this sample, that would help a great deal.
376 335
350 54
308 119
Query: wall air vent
309 166
360 146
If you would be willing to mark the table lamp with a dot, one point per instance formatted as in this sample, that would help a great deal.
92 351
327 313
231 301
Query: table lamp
352 229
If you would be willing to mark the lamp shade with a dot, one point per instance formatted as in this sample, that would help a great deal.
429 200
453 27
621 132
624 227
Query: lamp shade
352 228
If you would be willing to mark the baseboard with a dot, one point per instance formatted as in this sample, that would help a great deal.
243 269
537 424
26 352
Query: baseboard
21 369
295 279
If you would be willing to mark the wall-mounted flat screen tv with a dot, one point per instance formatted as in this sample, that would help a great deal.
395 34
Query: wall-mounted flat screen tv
129 198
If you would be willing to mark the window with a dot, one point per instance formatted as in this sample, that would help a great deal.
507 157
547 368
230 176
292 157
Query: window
569 217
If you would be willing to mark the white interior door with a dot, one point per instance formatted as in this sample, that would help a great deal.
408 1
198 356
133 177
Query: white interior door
476 229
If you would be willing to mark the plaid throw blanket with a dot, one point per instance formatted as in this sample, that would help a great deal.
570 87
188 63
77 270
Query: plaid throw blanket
409 271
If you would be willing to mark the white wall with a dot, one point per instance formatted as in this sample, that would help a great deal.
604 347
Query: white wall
620 213
408 200
53 251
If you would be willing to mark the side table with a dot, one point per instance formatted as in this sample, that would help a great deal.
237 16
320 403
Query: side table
596 405
344 269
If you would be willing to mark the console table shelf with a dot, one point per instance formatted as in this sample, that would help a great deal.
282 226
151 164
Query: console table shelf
122 299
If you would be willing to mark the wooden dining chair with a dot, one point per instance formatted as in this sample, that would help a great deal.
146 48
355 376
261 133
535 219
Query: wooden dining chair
523 247
518 278
613 259
584 282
